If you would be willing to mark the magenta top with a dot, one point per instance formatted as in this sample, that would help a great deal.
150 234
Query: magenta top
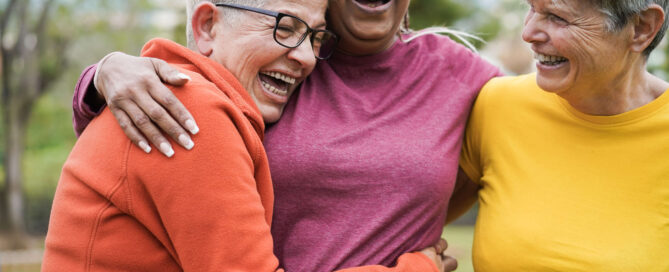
365 156
83 113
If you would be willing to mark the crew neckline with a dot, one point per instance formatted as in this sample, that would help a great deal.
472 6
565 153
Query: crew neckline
634 115
341 57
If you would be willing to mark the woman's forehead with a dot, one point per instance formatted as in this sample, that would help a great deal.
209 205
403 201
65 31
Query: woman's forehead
570 6
308 10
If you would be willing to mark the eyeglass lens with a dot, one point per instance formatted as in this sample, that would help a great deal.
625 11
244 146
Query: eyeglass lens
291 32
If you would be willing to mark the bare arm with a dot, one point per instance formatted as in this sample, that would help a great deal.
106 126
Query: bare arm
133 88
464 196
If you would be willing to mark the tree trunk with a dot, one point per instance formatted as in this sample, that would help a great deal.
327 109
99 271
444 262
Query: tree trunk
21 64
14 206
3 210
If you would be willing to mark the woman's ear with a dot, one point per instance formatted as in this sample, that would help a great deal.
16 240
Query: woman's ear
205 16
646 26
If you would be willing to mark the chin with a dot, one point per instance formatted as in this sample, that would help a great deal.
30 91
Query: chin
550 85
373 31
271 115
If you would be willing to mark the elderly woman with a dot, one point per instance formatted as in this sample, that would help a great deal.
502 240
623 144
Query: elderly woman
118 209
572 161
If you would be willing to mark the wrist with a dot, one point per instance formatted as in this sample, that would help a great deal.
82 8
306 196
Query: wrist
96 84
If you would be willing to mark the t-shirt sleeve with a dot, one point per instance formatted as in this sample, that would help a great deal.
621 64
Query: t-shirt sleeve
84 112
470 157
474 70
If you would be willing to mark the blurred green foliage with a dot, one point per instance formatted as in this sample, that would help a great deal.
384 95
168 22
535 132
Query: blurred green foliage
48 144
426 13
458 15
89 29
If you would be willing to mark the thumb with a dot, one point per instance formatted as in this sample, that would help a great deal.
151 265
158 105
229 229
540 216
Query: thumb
169 74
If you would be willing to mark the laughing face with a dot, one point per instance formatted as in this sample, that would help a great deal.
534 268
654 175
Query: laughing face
366 26
574 50
267 70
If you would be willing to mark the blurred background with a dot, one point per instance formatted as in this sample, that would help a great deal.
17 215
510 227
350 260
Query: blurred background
45 44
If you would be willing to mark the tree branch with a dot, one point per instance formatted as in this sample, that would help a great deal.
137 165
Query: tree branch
20 38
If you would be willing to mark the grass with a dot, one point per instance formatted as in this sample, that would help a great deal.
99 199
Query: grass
460 240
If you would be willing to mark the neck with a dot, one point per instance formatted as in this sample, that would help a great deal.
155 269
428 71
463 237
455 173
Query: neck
365 48
629 91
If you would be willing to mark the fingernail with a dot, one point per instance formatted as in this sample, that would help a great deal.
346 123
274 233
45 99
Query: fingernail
192 127
183 76
186 141
144 146
167 150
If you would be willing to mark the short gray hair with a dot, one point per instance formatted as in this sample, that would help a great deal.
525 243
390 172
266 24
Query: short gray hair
228 13
619 12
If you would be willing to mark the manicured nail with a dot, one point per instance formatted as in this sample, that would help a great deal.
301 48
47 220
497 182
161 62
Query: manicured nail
167 150
144 146
186 141
183 76
192 127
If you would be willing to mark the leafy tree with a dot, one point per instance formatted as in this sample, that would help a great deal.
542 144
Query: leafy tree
459 15
32 58
44 46
426 13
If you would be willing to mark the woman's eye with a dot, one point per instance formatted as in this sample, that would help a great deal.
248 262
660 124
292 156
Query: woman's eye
285 28
285 31
556 19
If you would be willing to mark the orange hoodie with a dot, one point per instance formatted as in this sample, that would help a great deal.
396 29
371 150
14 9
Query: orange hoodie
209 209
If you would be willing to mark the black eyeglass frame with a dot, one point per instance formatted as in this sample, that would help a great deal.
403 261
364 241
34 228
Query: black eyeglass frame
278 16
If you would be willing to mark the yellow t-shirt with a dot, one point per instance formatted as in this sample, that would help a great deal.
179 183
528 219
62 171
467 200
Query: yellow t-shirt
566 191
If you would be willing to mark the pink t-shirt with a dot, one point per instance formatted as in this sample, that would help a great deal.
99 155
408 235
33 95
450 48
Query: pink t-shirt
364 159
365 156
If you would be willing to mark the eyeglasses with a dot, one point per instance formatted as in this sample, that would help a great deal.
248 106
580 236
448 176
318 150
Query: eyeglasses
291 31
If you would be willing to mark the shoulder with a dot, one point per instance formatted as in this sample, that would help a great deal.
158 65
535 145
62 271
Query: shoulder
218 116
435 43
512 95
510 86
226 137
452 58
202 97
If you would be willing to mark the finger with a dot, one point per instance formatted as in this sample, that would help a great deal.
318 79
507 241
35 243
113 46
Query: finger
130 130
163 120
430 253
450 263
441 246
168 73
146 127
176 109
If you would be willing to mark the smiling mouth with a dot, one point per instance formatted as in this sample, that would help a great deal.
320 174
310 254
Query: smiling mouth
549 60
372 3
276 82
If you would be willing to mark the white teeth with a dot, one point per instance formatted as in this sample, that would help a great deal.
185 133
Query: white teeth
549 59
274 89
280 76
